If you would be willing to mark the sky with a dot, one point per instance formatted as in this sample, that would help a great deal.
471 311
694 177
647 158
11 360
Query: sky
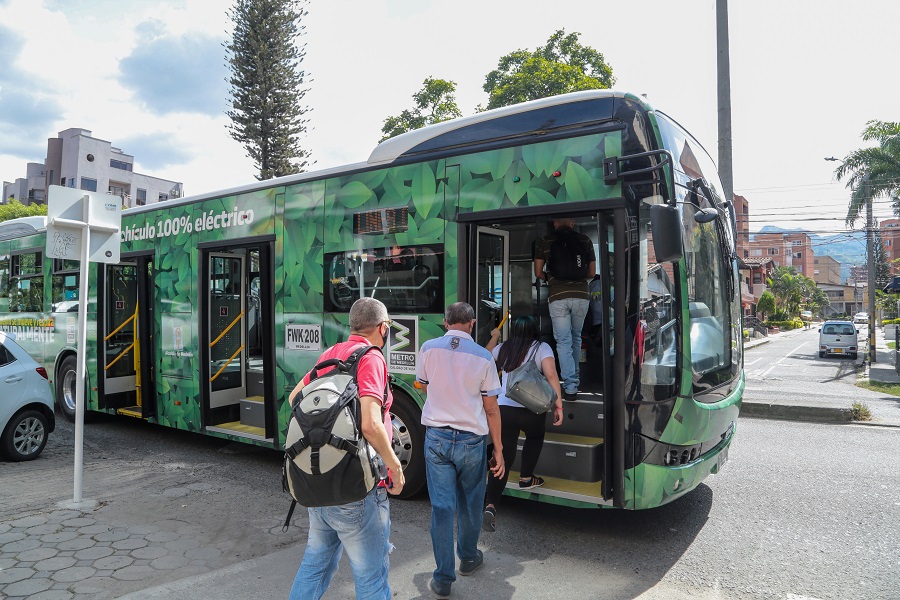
150 77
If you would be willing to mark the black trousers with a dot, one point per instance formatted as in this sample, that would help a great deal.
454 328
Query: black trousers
513 420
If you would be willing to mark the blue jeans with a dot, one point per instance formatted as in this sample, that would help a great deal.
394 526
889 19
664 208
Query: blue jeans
362 528
456 468
567 316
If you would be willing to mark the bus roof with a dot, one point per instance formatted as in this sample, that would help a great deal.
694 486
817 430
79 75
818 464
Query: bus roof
395 148
22 226
390 150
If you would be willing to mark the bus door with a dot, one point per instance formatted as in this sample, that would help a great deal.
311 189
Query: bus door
227 341
238 340
125 348
490 292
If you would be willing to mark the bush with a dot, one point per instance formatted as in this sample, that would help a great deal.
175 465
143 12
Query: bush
890 322
746 333
785 325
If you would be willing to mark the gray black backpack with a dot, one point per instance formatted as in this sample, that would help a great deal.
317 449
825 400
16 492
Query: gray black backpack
327 461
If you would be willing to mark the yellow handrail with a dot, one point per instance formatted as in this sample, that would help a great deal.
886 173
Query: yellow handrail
227 329
124 323
228 362
121 354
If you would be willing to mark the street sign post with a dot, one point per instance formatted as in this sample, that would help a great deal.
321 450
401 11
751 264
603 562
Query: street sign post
82 226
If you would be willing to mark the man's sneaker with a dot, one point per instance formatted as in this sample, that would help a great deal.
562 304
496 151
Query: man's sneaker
467 567
527 484
440 590
570 396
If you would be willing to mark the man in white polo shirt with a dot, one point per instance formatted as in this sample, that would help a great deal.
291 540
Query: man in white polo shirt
461 387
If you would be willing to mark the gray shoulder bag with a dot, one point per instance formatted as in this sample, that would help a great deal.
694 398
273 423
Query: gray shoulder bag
528 386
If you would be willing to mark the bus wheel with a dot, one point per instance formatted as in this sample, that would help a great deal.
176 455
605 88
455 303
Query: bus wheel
409 442
66 377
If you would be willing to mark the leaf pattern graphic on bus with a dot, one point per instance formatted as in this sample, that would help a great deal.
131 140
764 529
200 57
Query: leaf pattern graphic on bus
525 176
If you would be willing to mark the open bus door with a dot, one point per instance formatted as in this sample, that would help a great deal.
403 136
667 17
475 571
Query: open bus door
124 338
237 341
491 286
576 459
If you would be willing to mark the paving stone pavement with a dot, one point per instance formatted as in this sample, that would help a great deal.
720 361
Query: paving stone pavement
151 524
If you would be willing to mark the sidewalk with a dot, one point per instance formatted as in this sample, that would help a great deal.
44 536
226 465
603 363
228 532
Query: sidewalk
885 410
144 523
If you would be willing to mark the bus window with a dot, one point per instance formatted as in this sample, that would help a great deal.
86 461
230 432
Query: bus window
4 275
64 293
409 279
26 292
659 367
710 294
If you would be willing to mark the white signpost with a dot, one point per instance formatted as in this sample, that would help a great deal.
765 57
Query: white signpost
82 226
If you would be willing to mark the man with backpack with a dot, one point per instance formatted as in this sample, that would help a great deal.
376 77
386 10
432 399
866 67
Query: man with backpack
361 528
571 262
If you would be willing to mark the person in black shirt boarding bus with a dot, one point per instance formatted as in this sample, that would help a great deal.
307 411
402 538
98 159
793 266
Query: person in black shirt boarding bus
570 263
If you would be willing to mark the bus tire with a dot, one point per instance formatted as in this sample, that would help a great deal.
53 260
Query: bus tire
66 377
409 442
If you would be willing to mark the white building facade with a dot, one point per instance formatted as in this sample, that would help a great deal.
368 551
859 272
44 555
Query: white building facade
76 159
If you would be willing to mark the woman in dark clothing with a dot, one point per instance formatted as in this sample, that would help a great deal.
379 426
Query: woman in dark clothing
523 344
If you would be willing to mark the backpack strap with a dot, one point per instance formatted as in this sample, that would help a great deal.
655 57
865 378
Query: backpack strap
353 360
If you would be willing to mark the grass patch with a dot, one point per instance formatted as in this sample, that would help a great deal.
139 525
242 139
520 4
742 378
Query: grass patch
861 412
892 345
892 389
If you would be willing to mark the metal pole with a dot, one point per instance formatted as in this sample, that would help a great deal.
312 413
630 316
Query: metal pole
82 352
724 95
870 251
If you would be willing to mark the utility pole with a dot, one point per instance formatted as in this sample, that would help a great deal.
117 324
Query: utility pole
870 252
724 95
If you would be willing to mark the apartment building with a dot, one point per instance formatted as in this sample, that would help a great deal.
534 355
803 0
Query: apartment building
845 299
826 270
785 250
28 189
742 216
890 237
76 159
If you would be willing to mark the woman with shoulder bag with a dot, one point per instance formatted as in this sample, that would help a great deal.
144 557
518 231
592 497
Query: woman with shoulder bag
523 344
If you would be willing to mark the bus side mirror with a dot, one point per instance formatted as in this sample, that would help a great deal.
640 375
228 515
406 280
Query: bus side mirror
665 220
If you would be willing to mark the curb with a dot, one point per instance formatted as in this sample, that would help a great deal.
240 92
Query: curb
756 342
818 414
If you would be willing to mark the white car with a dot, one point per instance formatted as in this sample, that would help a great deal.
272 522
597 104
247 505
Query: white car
26 403
861 317
838 337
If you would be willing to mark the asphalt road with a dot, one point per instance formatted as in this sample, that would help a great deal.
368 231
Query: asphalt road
800 511
788 368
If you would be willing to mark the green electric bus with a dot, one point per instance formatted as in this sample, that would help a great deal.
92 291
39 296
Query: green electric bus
222 301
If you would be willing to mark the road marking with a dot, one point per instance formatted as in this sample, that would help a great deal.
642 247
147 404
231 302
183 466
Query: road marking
781 360
747 364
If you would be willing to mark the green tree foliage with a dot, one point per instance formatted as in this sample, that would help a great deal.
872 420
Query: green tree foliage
15 209
434 103
873 172
818 300
766 304
562 66
793 290
267 84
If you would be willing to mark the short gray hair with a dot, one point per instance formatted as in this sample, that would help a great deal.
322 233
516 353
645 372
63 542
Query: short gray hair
367 313
459 312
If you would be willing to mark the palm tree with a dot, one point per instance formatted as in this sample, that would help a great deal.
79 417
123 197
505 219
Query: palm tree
873 172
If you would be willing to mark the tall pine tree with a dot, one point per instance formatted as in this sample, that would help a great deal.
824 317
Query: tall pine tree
267 84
